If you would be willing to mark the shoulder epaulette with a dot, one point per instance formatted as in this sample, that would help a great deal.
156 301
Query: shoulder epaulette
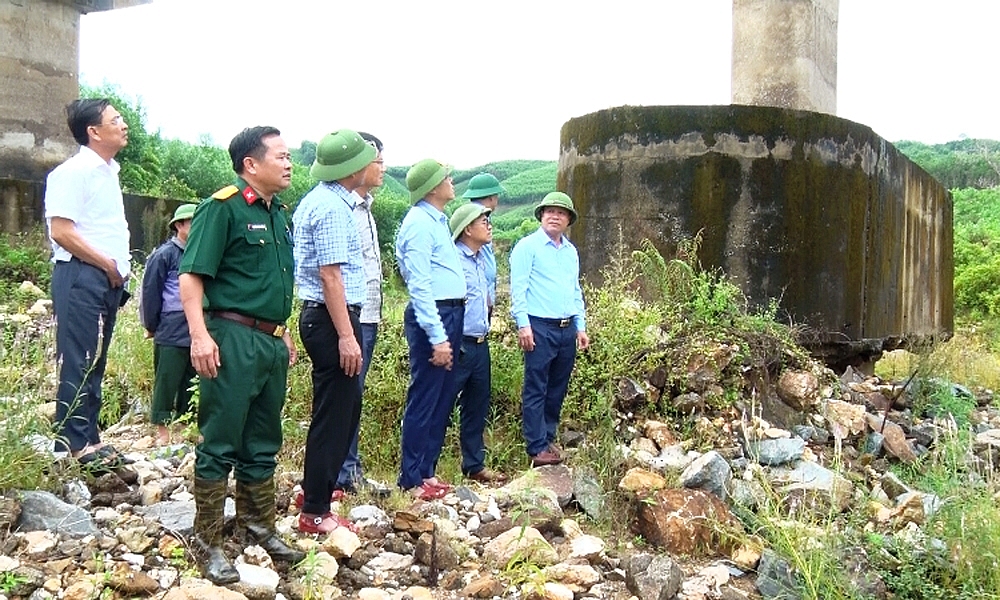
225 193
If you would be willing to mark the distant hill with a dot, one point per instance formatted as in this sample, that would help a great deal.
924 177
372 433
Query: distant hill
960 164
526 181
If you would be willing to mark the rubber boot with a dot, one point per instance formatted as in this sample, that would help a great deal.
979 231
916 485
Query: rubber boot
209 520
255 516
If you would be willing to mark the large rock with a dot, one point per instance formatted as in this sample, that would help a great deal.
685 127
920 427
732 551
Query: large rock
42 511
776 452
556 478
641 481
711 473
895 441
659 433
521 542
686 521
256 583
578 578
813 484
653 577
588 493
202 590
798 389
435 550
174 515
775 578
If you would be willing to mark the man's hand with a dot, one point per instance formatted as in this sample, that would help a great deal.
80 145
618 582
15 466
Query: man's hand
350 356
114 277
525 338
442 355
293 354
205 355
147 334
582 340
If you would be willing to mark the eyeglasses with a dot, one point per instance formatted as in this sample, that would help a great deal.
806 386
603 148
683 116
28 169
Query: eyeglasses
115 122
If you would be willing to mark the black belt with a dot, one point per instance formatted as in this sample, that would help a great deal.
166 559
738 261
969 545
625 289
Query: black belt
473 339
561 323
354 309
450 302
275 329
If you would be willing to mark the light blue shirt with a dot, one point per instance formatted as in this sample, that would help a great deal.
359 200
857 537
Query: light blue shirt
491 271
325 234
429 263
477 322
545 280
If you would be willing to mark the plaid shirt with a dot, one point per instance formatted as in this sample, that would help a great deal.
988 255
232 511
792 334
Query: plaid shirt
371 310
325 234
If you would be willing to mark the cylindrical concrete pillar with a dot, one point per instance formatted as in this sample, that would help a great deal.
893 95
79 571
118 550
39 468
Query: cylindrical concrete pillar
785 54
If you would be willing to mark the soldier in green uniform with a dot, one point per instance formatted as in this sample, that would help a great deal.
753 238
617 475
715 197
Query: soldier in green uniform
236 289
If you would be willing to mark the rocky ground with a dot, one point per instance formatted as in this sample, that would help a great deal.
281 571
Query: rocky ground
125 534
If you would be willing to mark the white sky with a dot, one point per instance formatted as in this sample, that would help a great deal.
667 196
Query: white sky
473 81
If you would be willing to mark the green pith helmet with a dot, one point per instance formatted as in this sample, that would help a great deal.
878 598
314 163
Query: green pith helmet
483 185
558 200
183 212
464 216
424 176
340 154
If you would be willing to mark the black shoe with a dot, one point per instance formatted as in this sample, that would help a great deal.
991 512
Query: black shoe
215 565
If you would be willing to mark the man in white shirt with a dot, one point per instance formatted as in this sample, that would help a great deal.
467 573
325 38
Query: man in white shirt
90 244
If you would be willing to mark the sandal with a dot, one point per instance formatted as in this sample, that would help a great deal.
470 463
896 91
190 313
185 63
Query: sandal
98 464
109 451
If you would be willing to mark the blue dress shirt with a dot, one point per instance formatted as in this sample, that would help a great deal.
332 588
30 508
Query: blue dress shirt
429 263
545 280
325 234
491 271
477 322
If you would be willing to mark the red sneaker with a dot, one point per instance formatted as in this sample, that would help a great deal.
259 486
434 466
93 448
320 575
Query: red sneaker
323 523
434 482
300 497
426 491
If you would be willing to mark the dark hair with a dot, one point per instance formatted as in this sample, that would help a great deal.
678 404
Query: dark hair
83 113
249 142
371 138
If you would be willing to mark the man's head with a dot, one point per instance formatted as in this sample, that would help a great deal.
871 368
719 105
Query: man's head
556 213
375 171
485 189
262 158
97 124
430 180
470 224
343 156
181 223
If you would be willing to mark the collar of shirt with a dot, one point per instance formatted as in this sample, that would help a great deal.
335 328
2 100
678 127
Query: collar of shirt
434 213
466 250
364 202
562 238
92 158
349 198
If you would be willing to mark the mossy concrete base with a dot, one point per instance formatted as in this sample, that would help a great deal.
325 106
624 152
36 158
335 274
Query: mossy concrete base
819 212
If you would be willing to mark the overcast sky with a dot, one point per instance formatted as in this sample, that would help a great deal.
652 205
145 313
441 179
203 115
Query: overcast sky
468 82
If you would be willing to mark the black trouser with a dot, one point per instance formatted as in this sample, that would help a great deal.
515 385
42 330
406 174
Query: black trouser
86 307
336 407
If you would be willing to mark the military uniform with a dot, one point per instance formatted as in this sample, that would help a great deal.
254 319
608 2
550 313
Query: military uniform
242 249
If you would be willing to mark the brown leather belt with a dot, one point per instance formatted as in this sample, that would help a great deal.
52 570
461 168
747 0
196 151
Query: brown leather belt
275 329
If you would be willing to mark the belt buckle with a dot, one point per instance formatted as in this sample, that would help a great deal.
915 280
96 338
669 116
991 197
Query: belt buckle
563 323
279 331
481 339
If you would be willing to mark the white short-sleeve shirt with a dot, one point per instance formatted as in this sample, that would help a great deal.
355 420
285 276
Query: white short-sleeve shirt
86 190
